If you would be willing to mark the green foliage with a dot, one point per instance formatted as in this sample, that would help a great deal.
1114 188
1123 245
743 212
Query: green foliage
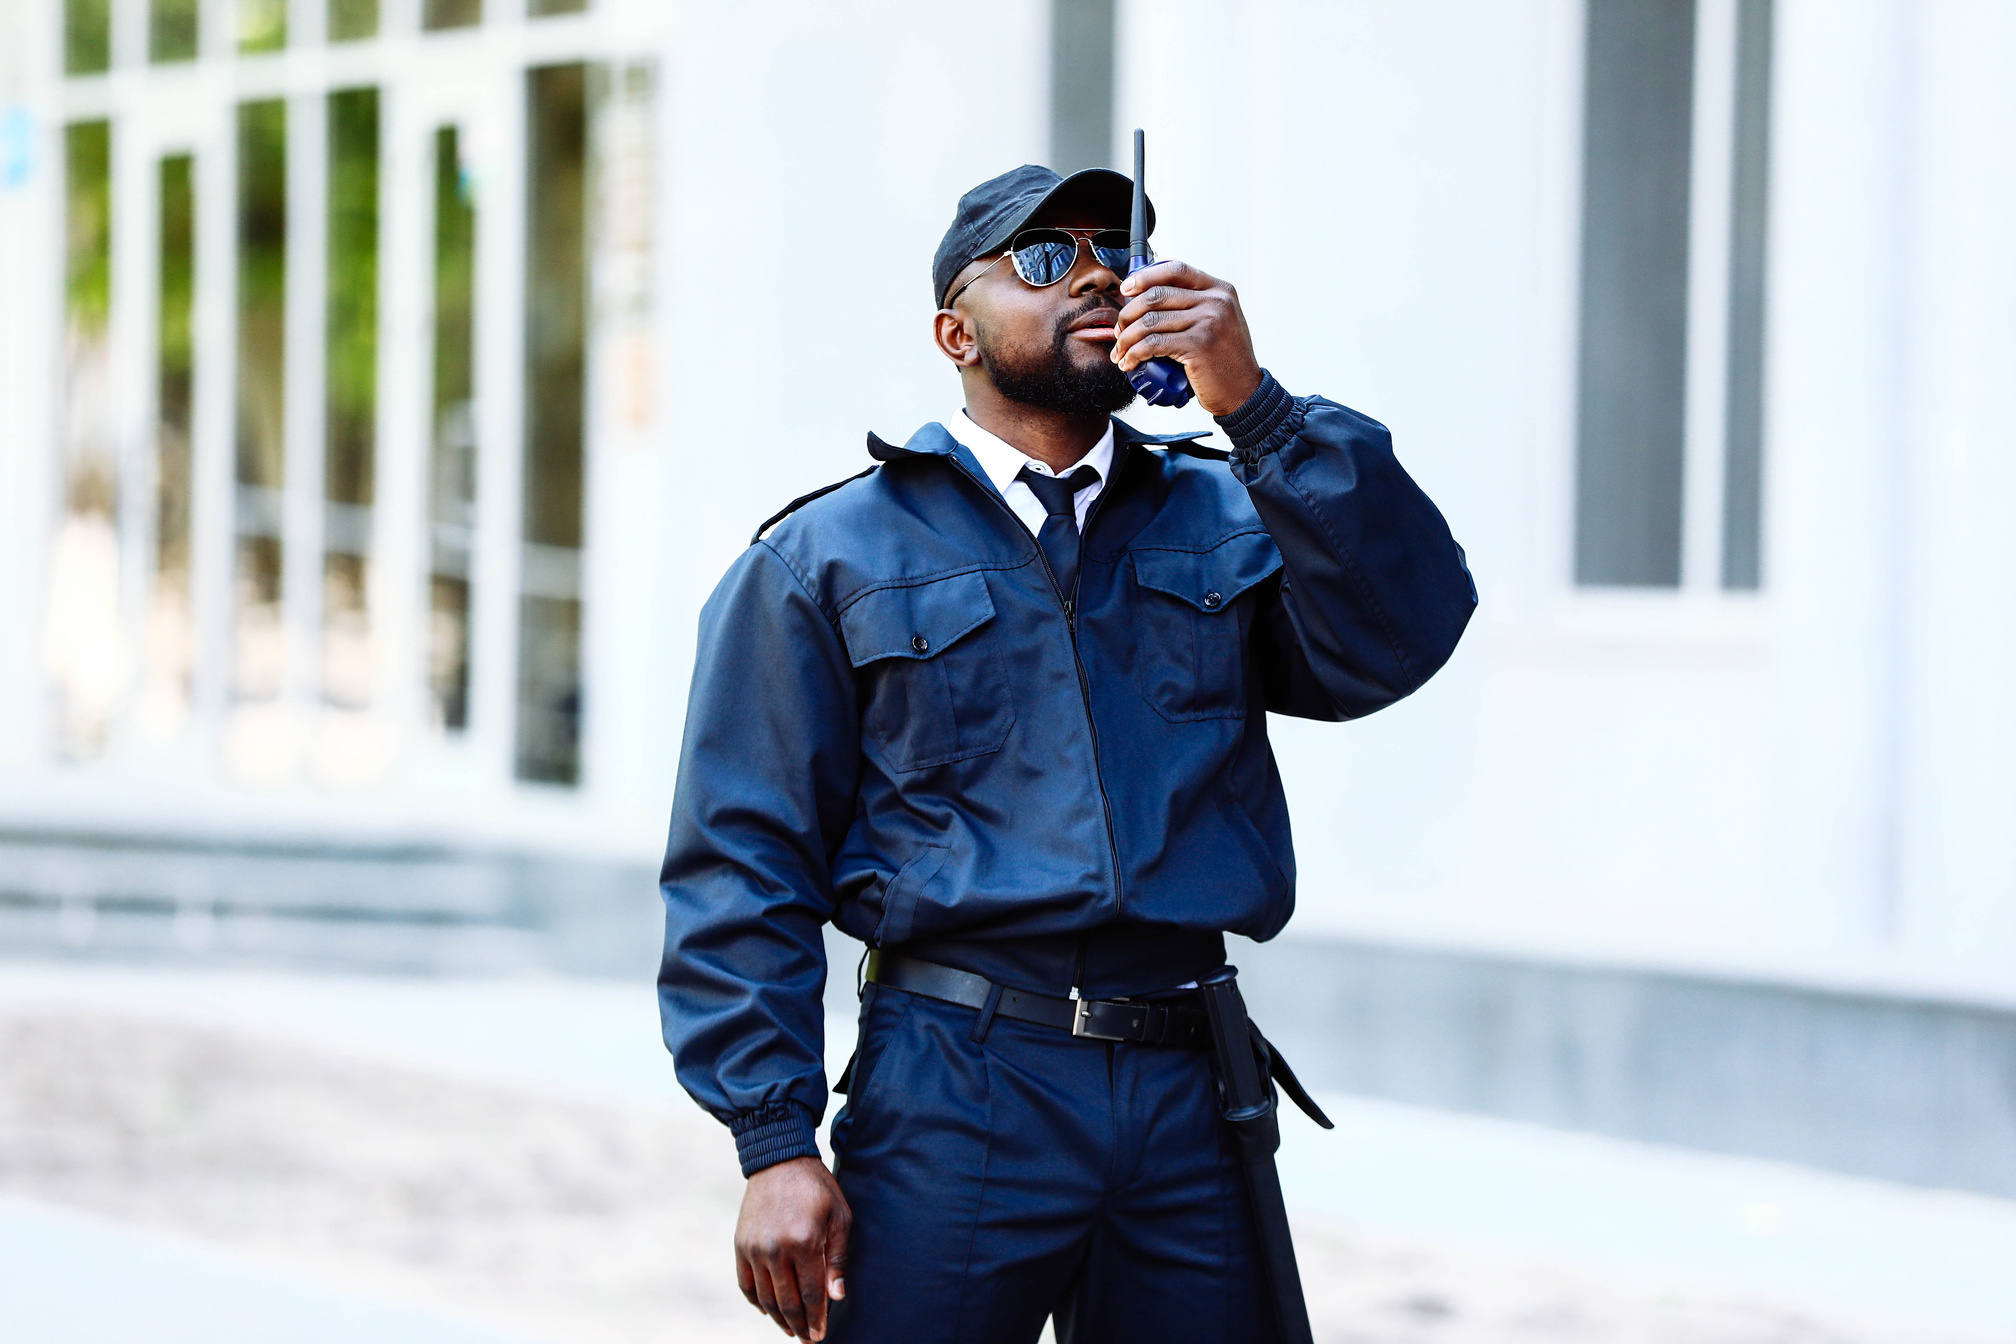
262 25
87 36
87 164
352 368
454 275
177 351
350 20
435 14
262 291
172 28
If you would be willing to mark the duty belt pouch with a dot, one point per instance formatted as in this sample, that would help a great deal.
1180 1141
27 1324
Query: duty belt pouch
1245 1067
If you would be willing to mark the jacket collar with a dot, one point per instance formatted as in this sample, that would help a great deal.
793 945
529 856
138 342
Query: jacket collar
934 440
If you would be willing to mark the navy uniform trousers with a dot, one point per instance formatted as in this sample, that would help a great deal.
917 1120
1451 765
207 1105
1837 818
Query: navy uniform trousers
1003 1177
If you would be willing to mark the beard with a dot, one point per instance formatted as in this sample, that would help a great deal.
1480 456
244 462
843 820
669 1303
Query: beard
1052 380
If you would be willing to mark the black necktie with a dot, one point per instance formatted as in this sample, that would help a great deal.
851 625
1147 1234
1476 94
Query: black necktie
1059 537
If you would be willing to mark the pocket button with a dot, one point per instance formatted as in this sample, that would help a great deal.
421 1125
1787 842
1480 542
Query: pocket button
1212 599
919 643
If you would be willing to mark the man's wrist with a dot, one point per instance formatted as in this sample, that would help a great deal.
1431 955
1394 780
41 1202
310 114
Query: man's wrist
1263 423
772 1134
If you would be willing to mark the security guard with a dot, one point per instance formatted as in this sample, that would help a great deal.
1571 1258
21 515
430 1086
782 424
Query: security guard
997 707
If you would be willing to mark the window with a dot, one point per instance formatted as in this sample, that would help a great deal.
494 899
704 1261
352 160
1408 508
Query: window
172 30
258 643
83 643
170 636
556 313
351 20
350 391
1743 470
87 36
262 25
451 13
1652 264
451 510
1638 145
1081 84
290 566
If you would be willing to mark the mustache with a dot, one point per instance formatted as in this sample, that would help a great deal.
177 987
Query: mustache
1096 304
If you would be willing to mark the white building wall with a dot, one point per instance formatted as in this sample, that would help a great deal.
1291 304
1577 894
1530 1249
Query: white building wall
1803 784
1806 783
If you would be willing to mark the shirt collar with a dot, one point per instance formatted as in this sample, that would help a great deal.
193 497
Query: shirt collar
1003 461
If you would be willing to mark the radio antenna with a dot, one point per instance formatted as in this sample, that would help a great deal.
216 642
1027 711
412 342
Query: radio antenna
1138 254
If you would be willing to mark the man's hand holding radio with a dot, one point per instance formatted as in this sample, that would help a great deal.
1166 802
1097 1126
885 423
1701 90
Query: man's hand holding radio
1175 311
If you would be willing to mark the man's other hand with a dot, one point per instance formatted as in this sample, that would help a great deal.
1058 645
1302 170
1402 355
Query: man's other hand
791 1244
1177 312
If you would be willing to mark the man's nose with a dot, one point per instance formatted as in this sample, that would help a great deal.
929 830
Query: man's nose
1091 275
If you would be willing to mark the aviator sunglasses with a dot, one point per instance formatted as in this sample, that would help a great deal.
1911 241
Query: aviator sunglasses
1045 256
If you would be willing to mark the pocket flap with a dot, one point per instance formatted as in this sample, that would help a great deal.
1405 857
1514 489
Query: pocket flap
1209 580
918 621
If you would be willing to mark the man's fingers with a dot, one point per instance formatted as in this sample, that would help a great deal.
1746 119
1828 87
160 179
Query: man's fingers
811 1289
745 1279
790 1299
1176 345
1162 298
1179 273
1162 322
839 1229
766 1297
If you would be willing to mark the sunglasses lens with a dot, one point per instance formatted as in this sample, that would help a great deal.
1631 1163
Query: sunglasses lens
1111 249
1044 256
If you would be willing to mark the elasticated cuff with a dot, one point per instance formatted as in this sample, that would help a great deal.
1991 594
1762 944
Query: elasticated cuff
773 1134
1269 419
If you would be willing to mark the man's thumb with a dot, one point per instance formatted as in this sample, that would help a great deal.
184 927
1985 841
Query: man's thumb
836 1255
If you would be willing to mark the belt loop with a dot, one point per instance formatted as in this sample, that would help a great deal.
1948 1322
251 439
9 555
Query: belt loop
986 1022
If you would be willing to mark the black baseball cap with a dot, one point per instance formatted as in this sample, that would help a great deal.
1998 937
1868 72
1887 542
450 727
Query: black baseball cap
997 209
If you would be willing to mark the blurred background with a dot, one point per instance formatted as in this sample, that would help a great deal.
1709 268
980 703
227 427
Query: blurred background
384 384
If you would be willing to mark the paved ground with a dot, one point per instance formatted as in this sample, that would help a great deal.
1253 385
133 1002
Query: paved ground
316 1180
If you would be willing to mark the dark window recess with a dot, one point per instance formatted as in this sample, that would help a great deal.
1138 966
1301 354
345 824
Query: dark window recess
262 25
437 14
1081 84
1638 141
350 20
556 327
173 27
1743 461
258 649
452 470
170 633
350 407
87 36
351 370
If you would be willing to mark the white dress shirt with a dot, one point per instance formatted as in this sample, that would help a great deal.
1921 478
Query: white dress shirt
1003 462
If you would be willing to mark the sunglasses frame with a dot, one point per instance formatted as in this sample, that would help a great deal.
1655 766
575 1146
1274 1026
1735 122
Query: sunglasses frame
1078 236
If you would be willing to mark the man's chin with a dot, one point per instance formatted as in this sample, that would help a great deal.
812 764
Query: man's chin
1081 379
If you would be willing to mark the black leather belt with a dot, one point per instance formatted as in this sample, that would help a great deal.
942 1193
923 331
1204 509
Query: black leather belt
1163 1022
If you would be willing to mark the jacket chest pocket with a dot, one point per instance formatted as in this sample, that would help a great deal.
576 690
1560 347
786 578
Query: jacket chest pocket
935 688
1190 661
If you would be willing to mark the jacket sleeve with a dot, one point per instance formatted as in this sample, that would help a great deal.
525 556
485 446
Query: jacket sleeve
767 778
1375 592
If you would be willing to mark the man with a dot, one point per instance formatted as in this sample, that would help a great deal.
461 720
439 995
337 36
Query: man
997 708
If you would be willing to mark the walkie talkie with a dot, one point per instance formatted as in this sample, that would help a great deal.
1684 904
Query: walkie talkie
1161 382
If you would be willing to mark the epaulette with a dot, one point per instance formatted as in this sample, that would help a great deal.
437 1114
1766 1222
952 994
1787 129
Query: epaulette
801 502
1192 448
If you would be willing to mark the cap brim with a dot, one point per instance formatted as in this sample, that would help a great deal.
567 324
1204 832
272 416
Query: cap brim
1098 189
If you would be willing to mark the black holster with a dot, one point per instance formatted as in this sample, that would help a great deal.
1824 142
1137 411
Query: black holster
1247 1068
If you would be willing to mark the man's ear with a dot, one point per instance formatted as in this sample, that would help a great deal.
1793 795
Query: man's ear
953 331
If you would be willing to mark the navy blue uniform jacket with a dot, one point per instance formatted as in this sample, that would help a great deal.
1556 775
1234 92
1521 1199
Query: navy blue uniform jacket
898 724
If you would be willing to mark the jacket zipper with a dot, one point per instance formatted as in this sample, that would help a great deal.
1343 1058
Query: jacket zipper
1071 624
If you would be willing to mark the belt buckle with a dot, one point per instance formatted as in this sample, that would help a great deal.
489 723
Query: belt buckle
1082 1010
